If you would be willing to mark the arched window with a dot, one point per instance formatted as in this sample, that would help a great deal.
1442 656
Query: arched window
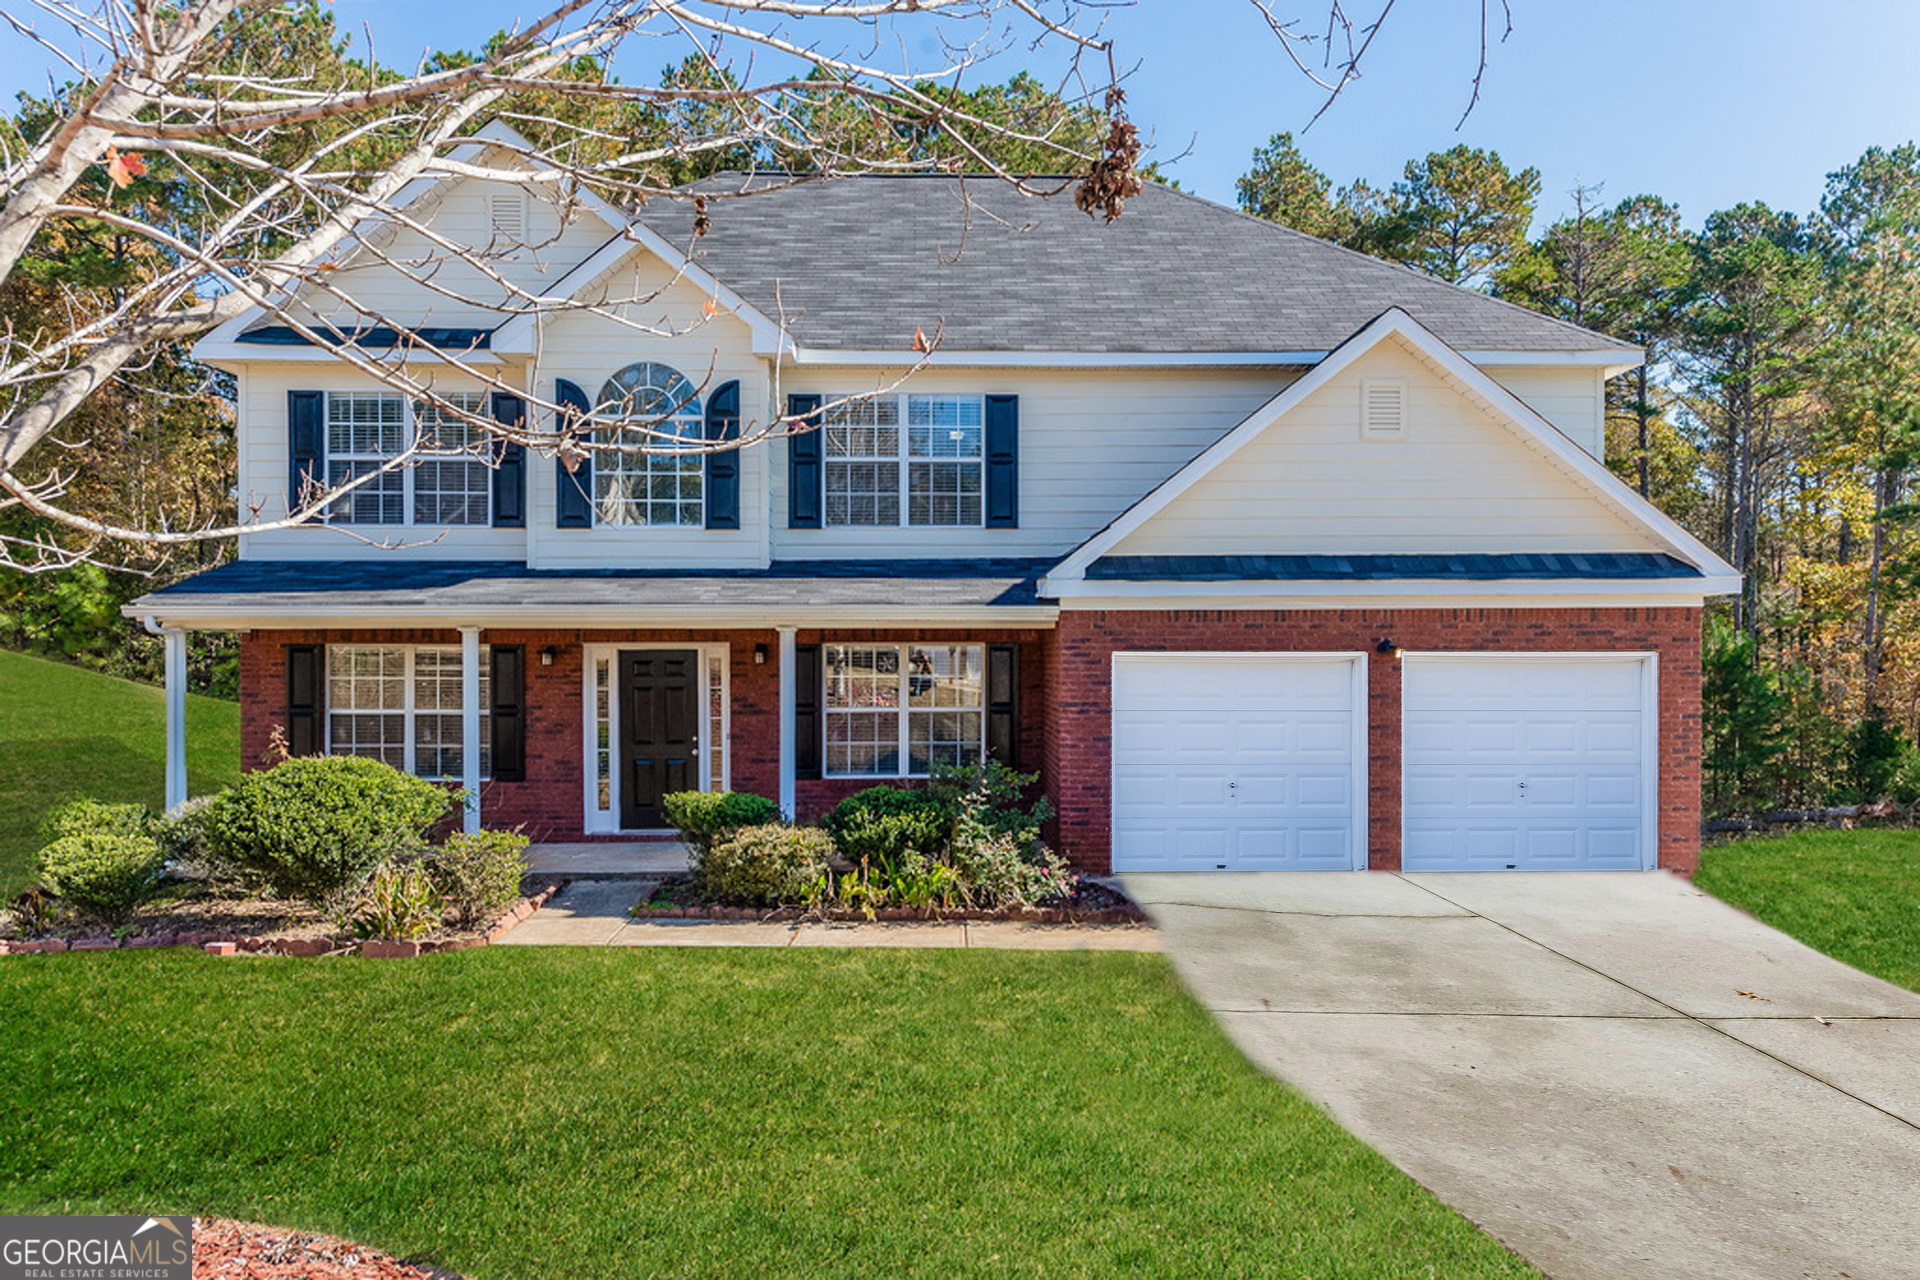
661 485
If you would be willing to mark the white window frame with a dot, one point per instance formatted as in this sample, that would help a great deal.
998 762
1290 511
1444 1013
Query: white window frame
409 436
688 423
904 709
606 821
408 711
904 459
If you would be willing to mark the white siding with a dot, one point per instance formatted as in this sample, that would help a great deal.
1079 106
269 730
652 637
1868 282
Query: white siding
1092 443
402 276
263 450
675 329
1571 398
1458 480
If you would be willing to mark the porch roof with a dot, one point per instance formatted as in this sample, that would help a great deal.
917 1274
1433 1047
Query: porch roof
1482 567
443 593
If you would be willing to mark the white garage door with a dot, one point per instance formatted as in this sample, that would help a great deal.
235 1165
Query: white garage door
1527 763
1238 761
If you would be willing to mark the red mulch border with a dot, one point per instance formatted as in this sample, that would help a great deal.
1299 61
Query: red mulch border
224 1249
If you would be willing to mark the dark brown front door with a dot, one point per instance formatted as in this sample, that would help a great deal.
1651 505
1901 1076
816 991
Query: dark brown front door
659 731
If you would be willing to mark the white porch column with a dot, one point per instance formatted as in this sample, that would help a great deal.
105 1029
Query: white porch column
176 669
470 723
788 737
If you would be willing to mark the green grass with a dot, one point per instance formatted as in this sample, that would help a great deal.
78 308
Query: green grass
1852 894
559 1112
65 732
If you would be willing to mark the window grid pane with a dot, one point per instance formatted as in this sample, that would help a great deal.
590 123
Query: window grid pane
652 487
862 448
603 734
369 713
716 724
944 692
363 430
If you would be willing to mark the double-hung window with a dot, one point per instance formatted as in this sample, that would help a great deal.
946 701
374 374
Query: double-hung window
898 710
450 484
657 475
905 459
402 705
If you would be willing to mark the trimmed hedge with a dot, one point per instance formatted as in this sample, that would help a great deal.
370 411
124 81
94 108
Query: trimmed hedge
100 873
316 827
882 826
704 816
765 866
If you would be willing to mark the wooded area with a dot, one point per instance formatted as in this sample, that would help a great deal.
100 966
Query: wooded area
1776 417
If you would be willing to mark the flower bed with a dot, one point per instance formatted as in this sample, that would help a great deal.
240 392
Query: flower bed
679 898
266 926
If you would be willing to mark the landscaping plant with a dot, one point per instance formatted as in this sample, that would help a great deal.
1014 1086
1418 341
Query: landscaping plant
704 816
478 873
316 827
399 904
102 874
765 866
99 818
881 827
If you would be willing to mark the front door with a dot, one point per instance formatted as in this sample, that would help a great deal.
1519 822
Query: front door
659 731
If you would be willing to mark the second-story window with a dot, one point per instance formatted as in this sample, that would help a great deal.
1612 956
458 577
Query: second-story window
931 472
652 481
450 484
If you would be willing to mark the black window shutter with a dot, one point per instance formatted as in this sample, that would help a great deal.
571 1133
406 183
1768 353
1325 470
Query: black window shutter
507 664
306 444
723 468
574 506
1003 703
806 475
304 665
509 466
806 711
1003 462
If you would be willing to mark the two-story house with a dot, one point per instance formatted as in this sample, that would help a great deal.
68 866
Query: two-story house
1262 553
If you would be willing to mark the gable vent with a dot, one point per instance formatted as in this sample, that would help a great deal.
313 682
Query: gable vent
507 212
1383 409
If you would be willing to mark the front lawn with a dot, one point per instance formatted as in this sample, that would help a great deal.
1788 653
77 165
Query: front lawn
542 1112
1852 894
65 732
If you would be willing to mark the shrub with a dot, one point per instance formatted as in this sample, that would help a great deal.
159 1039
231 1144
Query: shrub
704 816
399 904
477 874
102 874
316 827
763 866
883 826
997 797
98 818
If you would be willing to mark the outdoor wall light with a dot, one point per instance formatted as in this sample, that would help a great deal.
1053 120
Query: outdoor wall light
759 655
1385 645
547 655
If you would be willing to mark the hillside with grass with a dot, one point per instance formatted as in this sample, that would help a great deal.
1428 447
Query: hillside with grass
65 733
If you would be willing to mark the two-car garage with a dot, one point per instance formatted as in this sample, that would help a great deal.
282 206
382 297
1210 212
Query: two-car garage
1261 761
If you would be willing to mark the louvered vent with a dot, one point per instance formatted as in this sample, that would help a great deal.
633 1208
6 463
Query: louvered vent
507 210
1383 409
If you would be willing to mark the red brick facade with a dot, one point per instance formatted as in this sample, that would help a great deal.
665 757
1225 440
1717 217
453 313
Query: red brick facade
1065 723
550 803
1076 762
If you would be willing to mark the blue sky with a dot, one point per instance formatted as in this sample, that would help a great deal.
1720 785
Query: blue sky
1706 102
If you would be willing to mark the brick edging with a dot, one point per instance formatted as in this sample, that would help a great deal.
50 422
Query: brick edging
217 944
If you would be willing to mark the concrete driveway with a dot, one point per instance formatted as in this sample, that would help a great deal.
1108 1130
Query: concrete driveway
1614 1073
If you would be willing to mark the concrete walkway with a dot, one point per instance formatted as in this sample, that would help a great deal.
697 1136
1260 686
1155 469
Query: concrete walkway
623 858
593 913
1614 1073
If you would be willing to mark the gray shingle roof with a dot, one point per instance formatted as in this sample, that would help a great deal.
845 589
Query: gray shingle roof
1371 568
454 586
860 263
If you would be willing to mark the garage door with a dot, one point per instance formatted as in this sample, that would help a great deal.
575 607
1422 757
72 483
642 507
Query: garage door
1526 764
1238 762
